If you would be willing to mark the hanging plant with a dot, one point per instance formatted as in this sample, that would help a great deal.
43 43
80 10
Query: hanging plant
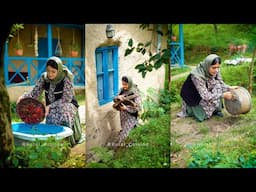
18 46
174 38
74 47
74 50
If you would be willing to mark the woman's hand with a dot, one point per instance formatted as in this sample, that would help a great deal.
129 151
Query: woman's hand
18 100
228 95
123 107
47 108
120 97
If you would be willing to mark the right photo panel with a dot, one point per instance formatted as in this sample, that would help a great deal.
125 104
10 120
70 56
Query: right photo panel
128 95
212 95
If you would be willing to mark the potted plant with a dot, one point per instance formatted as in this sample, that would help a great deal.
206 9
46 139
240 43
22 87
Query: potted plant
74 50
18 49
18 46
173 37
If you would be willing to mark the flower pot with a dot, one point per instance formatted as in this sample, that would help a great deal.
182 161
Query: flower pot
74 53
174 38
19 52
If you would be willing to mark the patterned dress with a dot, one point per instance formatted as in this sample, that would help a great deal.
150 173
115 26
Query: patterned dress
211 92
62 111
129 121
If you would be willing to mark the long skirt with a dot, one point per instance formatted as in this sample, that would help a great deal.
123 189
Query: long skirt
66 115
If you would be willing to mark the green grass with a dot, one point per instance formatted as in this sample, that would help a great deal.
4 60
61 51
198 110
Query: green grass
203 129
148 146
176 71
201 40
233 148
175 147
80 96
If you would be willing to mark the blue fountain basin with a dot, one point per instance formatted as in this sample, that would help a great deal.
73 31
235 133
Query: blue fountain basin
42 131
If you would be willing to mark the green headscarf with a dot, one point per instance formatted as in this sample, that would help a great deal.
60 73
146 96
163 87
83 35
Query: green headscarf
63 71
202 70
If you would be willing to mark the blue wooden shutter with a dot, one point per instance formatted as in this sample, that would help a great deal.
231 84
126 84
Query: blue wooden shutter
107 73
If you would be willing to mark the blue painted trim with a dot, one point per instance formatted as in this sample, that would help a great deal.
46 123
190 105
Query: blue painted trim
29 62
181 45
5 63
104 50
80 69
116 78
49 36
29 73
177 49
17 72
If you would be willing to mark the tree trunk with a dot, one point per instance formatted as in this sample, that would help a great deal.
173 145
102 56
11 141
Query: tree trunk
167 77
251 68
6 136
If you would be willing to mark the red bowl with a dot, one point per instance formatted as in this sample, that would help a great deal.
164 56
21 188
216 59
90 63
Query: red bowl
30 110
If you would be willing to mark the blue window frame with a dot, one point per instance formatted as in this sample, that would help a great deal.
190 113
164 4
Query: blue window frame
107 73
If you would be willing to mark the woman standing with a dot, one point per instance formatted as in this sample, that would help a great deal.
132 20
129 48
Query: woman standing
61 104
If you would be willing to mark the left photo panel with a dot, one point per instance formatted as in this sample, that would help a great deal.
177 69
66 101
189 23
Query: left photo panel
42 96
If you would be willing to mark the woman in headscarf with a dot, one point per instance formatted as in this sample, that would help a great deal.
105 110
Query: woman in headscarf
204 89
128 112
61 104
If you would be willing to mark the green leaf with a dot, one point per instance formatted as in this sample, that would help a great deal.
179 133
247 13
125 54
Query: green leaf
143 51
130 42
128 51
144 74
166 55
33 155
140 70
138 49
158 64
143 26
150 67
15 162
155 57
140 66
140 45
55 155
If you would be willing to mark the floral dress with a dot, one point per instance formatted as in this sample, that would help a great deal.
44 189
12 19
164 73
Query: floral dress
211 92
62 111
128 121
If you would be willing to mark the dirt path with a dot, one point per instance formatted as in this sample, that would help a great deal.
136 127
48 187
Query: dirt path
187 131
182 74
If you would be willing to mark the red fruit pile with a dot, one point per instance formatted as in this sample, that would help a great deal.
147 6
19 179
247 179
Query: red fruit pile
30 110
